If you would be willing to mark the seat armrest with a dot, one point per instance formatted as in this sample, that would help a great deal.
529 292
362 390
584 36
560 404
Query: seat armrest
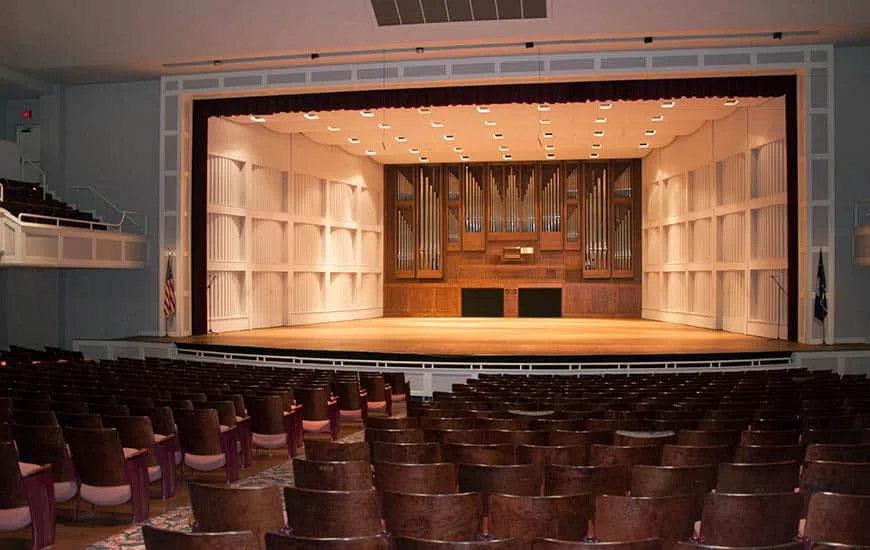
37 471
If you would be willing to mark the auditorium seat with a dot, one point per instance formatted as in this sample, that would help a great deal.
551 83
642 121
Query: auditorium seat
768 453
623 455
839 519
529 517
580 437
206 445
326 450
349 475
26 498
398 435
557 544
663 481
470 453
449 517
332 514
612 479
512 479
276 541
689 455
136 432
110 474
838 452
623 518
850 478
410 543
432 478
698 546
272 427
770 437
320 412
411 453
764 477
164 539
764 519
218 508
393 422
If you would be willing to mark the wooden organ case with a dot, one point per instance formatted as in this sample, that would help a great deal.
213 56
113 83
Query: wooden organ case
569 225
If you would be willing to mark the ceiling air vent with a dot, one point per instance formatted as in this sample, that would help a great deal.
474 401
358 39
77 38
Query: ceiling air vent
417 12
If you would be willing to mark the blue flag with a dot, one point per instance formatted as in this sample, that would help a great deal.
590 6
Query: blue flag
821 304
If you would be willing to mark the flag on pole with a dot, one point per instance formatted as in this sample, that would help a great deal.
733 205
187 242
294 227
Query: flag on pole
169 290
821 304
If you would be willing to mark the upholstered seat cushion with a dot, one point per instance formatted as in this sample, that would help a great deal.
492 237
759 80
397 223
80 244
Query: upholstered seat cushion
270 441
205 463
355 413
315 425
160 437
27 468
377 405
63 490
399 397
12 519
106 496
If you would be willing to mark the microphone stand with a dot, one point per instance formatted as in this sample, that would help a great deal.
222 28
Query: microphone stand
779 296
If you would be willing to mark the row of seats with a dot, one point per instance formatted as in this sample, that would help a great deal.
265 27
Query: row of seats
28 198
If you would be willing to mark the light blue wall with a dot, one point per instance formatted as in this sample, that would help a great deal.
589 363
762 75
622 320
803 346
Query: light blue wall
852 166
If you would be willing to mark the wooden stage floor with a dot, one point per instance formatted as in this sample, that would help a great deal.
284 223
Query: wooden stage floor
518 337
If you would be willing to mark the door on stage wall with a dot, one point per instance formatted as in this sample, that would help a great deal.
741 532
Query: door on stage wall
540 302
29 145
482 302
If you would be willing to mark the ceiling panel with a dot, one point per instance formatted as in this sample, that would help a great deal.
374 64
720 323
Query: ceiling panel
410 12
534 9
483 10
566 130
386 12
509 9
459 10
434 11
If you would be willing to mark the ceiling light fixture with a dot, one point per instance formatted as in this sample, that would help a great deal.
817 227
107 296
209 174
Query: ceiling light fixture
483 109
457 149
333 128
424 110
549 147
605 106
543 107
384 126
370 152
551 156
649 132
600 119
596 146
353 139
731 102
544 121
489 123
311 116
657 118
401 139
424 159
464 157
503 148
593 155
598 133
256 118
548 135
669 104
413 150
437 124
507 157
367 114
498 136
449 137
644 145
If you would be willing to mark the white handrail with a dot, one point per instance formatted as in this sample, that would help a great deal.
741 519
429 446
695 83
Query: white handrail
125 214
57 220
26 160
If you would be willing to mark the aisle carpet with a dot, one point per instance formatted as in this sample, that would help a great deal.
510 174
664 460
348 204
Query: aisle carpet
181 518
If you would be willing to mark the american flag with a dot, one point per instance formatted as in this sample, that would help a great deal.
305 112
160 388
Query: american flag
169 290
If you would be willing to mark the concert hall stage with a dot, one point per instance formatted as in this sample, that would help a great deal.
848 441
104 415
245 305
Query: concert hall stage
507 339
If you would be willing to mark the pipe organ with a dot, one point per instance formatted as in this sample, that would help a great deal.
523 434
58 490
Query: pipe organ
455 222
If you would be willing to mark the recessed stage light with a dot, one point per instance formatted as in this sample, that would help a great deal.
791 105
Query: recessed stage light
731 102
596 146
644 145
598 133
503 148
498 136
549 147
401 139
311 116
333 128
371 152
367 114
413 150
464 157
544 121
353 139
482 109
593 155
384 126
669 104
424 159
657 118
605 106
600 119
507 157
548 135
449 137
457 149
551 156
649 133
489 123
543 107
255 118
437 124
424 110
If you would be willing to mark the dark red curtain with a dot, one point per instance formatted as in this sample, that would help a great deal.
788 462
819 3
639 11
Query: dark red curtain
563 92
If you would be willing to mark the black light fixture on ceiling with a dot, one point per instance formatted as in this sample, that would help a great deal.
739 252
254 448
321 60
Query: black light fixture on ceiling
315 56
647 39
530 45
419 49
777 35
